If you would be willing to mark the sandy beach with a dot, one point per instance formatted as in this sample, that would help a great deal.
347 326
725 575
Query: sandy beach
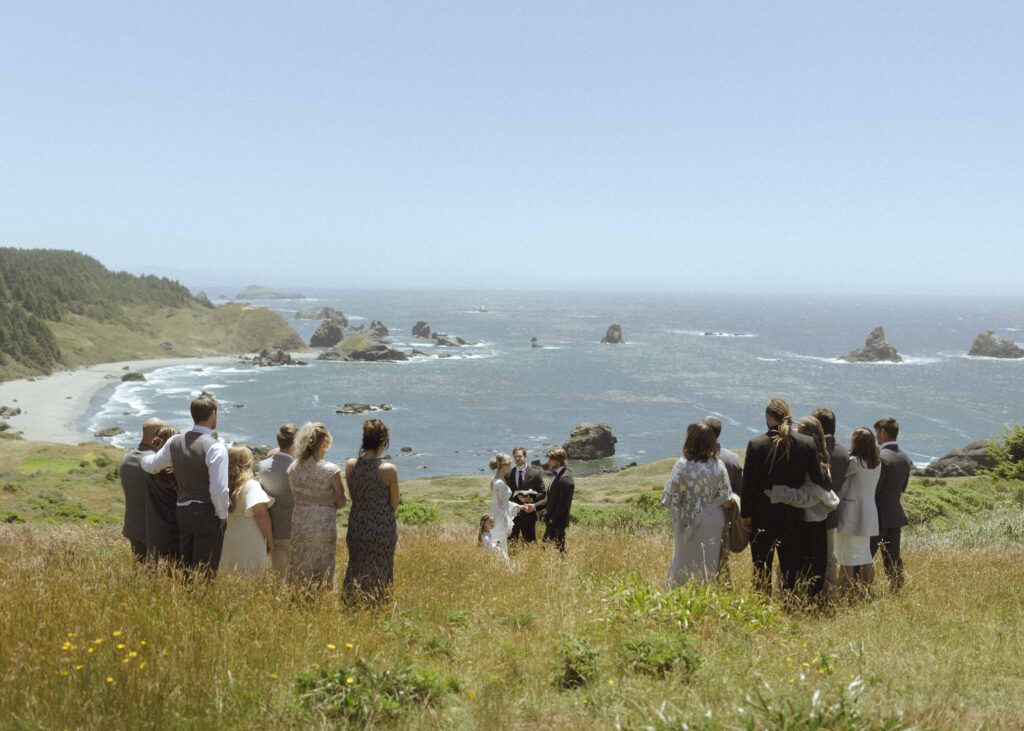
50 405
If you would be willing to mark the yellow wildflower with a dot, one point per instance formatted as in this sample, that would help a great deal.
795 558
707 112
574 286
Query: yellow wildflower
110 679
273 676
79 667
142 642
331 647
611 682
142 665
350 680
72 634
116 633
98 641
120 645
63 673
133 654
349 645
91 650
471 693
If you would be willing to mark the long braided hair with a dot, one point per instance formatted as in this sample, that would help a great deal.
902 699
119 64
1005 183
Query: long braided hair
778 409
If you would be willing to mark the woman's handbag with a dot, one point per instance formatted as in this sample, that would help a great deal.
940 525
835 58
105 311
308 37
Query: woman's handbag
735 536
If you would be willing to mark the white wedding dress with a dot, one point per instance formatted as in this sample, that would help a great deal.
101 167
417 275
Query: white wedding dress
504 512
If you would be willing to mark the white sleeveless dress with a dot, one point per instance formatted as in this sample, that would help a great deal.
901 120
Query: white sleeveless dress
504 512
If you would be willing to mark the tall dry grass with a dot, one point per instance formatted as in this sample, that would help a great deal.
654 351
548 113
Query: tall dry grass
89 641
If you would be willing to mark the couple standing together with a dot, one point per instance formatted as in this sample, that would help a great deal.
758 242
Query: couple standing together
518 498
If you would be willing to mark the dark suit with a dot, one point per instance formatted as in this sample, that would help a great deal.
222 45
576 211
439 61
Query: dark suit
733 467
135 483
839 462
556 517
525 524
896 468
776 527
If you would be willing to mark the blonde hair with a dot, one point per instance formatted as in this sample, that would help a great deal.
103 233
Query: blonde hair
309 440
499 460
239 472
484 519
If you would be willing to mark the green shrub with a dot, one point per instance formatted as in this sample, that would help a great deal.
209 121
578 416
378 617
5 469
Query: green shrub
417 514
579 662
363 695
660 653
690 604
1009 454
831 710
640 512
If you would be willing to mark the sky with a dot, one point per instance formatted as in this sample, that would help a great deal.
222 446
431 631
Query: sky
865 148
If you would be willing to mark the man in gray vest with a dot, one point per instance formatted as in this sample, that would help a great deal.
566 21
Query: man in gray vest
201 468
273 476
135 483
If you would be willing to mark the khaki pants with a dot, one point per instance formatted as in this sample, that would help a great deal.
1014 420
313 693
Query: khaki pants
281 557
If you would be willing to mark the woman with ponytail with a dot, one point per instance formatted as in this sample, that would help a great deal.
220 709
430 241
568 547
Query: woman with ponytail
778 457
318 487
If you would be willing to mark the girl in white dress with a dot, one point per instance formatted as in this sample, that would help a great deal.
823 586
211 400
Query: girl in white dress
484 538
502 508
249 538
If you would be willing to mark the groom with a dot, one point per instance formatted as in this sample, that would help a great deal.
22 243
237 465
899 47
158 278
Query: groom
524 476
556 519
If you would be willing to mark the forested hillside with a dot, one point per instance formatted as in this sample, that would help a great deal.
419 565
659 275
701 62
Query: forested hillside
60 308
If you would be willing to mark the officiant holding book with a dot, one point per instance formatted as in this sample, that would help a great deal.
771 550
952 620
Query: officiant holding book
527 484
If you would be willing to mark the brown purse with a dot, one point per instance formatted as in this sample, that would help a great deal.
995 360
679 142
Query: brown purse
734 535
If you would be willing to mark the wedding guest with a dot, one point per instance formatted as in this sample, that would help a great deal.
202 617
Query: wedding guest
839 461
135 483
372 525
201 469
896 469
778 457
249 537
161 504
816 502
729 458
484 539
857 513
697 492
273 476
318 489
560 493
527 484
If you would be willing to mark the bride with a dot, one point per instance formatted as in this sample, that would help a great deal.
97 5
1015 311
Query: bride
502 508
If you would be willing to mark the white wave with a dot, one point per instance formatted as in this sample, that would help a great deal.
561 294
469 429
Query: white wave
989 358
209 386
550 347
768 360
907 360
711 334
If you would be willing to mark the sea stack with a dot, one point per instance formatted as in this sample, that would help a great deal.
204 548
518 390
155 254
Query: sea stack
613 336
876 350
328 334
421 330
990 345
590 441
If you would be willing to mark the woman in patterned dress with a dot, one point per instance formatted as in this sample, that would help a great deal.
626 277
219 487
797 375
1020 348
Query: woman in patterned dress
372 527
697 492
319 491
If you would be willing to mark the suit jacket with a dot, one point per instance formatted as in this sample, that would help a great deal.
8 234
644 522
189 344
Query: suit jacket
896 468
733 467
759 475
839 463
135 483
533 479
560 499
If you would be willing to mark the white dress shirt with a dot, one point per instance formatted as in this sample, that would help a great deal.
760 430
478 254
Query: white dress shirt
216 462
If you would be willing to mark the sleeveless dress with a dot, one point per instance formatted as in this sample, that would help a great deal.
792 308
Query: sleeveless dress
372 534
245 550
504 512
314 526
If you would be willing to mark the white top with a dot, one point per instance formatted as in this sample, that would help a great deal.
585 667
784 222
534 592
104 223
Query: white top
504 511
216 462
245 548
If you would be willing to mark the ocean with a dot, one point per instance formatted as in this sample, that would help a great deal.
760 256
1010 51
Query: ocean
453 413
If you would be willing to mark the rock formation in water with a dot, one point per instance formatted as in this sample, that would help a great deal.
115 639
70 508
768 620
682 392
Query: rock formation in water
962 462
990 345
613 336
328 334
322 313
590 441
876 350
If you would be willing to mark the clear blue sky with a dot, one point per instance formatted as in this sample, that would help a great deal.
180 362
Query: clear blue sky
725 146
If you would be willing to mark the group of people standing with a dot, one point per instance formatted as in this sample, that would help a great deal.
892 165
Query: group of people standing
824 510
195 504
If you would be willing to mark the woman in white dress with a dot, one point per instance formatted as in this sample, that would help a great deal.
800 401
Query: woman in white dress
502 508
858 515
697 493
249 537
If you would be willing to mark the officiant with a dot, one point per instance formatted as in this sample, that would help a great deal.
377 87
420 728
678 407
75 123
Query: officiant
527 484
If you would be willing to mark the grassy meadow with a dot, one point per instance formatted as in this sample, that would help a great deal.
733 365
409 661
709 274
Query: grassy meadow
590 641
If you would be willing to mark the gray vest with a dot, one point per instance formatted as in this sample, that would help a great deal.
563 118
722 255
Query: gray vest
188 455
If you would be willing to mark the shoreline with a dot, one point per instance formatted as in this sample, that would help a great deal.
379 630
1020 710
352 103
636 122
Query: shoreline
51 405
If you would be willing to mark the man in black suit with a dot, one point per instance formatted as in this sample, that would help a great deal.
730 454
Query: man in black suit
779 457
524 476
839 462
729 458
560 491
896 468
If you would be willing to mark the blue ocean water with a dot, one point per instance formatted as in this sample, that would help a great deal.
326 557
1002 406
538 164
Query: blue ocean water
455 412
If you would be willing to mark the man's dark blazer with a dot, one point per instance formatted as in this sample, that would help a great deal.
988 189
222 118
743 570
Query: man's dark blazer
839 463
533 479
733 467
759 475
560 493
896 468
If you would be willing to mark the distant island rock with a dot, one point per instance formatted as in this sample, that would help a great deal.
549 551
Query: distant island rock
421 330
990 345
590 441
6 412
535 343
110 431
358 347
876 350
613 336
328 334
362 408
133 376
257 292
965 462
269 359
322 313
